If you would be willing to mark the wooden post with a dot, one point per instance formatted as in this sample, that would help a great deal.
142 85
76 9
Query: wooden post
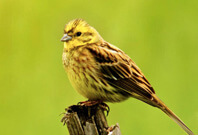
91 120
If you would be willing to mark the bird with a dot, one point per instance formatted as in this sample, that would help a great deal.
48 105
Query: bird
101 72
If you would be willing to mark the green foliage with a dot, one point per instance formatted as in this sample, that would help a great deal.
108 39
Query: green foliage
160 36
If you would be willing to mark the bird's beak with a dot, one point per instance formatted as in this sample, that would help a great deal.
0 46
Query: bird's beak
65 38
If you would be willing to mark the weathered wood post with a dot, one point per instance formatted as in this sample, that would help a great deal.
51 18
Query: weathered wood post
91 120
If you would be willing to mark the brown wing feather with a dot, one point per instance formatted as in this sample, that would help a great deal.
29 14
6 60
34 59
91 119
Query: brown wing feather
121 72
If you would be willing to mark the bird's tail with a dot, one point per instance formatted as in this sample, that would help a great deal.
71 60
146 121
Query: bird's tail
173 116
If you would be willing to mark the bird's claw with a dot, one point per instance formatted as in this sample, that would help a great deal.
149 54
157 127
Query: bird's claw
105 107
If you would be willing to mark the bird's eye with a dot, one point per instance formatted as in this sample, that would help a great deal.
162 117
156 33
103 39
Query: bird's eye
78 34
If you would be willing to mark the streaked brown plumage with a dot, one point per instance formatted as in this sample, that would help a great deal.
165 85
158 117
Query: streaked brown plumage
101 71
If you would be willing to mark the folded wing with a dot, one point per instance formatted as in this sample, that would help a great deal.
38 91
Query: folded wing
121 72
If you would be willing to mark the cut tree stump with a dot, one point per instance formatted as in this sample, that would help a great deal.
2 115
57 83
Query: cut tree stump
91 120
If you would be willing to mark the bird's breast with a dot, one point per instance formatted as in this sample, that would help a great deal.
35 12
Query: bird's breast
85 76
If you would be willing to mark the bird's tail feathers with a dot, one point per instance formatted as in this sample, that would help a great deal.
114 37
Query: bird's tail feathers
172 115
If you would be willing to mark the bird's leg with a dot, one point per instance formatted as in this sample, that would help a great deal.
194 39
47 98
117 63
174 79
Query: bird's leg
103 105
89 102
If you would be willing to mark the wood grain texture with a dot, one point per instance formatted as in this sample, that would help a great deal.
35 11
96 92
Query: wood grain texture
82 120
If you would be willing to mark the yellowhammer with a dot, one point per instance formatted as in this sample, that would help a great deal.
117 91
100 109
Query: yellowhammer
102 72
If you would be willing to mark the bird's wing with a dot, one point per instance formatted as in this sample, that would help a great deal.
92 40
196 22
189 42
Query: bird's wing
123 74
120 71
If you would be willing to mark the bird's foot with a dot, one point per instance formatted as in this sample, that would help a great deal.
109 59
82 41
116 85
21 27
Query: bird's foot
105 107
101 104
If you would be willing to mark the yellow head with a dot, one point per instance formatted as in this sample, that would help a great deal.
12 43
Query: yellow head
78 32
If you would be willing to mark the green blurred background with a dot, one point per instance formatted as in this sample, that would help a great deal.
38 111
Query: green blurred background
161 37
